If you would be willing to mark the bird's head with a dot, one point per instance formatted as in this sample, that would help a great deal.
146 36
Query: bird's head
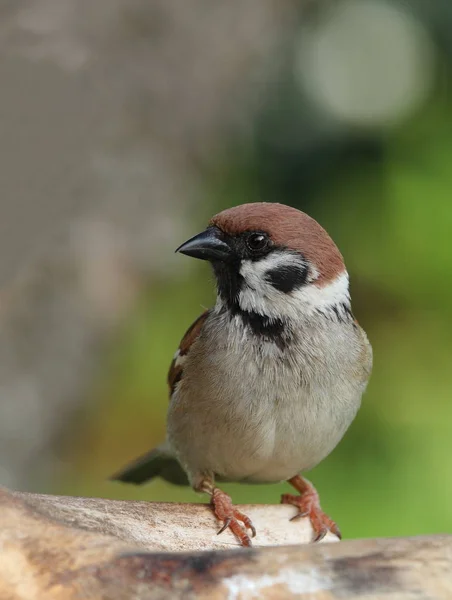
272 260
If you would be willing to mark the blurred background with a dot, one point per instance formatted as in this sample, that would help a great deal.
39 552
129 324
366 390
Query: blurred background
124 125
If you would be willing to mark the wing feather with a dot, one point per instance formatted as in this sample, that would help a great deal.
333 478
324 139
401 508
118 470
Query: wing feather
176 368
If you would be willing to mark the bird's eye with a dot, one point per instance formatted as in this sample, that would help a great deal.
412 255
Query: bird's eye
257 242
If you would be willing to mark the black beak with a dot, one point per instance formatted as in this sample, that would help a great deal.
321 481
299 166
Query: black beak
207 245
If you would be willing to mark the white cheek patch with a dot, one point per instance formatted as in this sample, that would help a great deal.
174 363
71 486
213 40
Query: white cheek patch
261 297
332 294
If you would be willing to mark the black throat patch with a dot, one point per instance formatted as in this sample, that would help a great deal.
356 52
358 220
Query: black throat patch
230 283
284 278
263 326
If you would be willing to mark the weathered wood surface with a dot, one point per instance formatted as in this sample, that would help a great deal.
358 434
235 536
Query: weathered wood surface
61 548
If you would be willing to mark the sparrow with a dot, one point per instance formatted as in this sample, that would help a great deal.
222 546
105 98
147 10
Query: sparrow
265 383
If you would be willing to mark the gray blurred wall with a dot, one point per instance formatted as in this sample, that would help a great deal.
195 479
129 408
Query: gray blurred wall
111 113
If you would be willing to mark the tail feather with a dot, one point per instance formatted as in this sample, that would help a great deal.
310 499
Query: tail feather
156 463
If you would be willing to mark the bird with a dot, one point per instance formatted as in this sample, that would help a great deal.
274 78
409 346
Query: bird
266 382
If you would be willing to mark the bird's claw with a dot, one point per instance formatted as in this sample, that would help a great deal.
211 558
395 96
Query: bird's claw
299 515
226 524
308 506
231 518
320 535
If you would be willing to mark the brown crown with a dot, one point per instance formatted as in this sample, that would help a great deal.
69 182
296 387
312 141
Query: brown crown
286 227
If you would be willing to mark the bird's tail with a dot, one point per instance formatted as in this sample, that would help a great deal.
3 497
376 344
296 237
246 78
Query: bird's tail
159 462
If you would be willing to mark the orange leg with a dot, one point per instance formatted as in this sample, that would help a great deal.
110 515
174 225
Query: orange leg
225 512
308 505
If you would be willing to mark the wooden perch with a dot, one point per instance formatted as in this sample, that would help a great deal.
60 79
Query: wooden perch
58 548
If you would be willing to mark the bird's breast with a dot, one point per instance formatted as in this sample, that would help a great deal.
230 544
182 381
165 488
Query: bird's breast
249 410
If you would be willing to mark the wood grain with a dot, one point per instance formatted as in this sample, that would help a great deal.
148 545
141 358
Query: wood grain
73 548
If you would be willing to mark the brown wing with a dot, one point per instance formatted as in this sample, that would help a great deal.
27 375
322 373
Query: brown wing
176 367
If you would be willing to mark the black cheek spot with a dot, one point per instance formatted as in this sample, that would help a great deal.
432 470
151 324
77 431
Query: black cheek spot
287 278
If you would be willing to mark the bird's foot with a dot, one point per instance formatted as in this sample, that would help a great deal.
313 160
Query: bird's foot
231 517
308 505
